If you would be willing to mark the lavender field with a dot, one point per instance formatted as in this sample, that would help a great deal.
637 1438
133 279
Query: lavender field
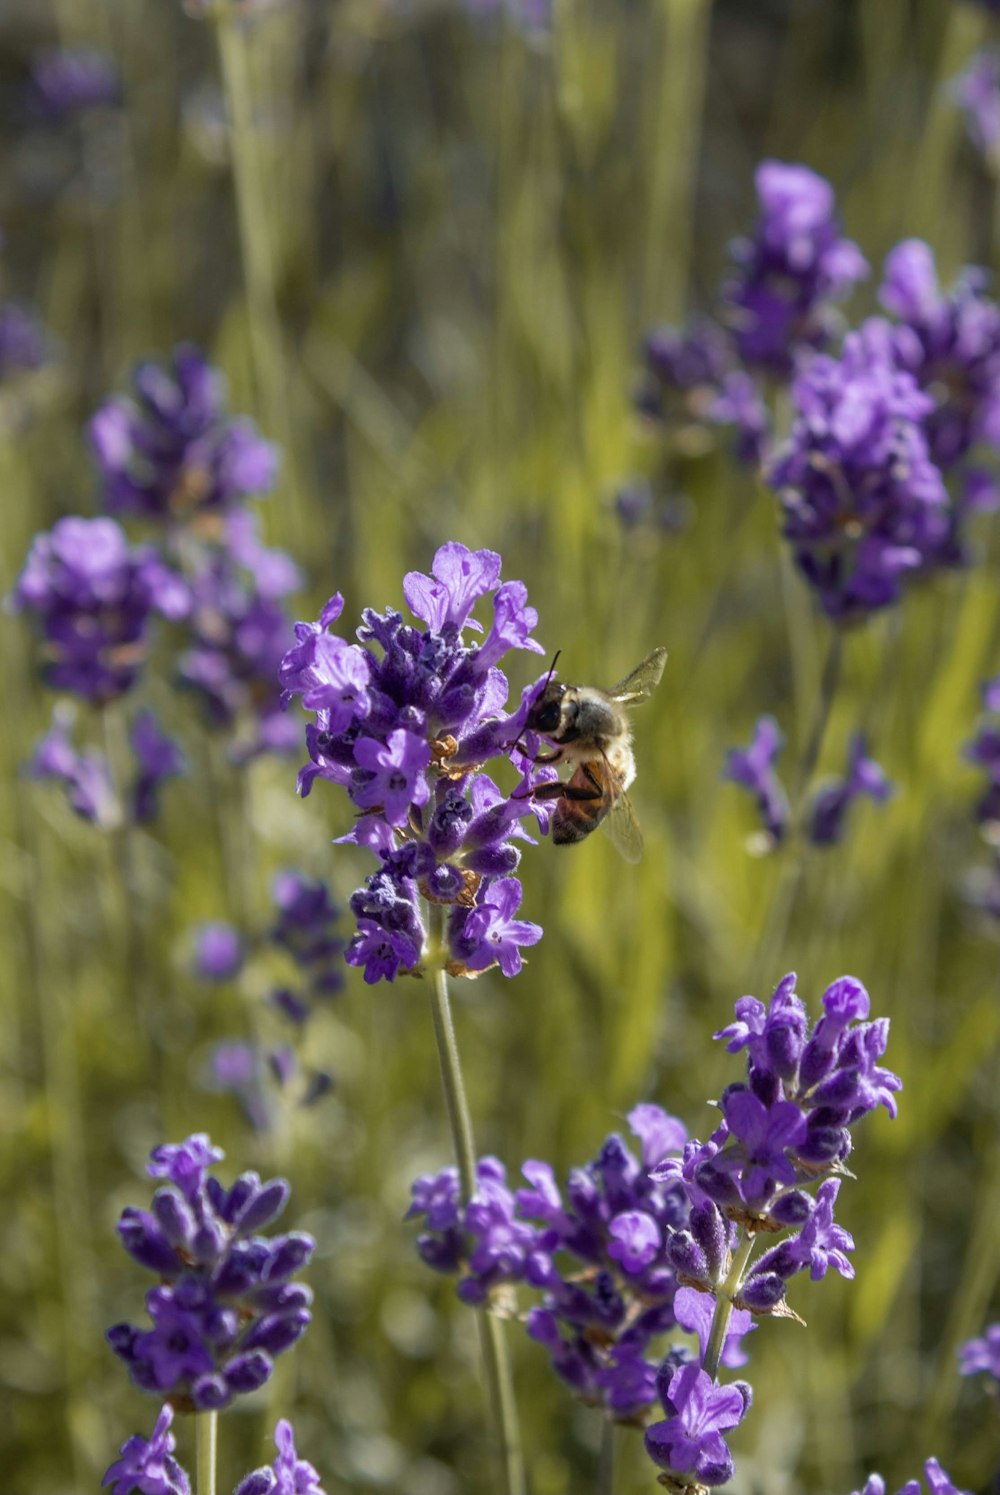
501 569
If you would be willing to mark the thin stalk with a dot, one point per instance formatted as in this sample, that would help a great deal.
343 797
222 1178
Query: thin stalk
607 1458
793 872
254 214
206 1430
496 1366
127 931
724 1307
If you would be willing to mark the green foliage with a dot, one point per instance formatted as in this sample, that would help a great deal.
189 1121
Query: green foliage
468 234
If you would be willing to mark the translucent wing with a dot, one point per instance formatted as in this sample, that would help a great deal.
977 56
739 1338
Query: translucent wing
624 828
642 681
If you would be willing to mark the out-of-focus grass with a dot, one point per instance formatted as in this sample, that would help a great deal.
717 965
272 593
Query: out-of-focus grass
469 234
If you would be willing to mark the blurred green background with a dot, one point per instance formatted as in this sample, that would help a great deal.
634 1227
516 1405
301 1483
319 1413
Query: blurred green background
453 237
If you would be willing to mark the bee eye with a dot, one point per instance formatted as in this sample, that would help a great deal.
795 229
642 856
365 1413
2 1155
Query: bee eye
549 716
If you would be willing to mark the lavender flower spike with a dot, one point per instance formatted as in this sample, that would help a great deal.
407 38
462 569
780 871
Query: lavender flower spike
789 273
288 1475
406 719
148 1466
753 768
863 503
171 450
938 1483
981 1354
831 804
689 1442
93 596
225 1305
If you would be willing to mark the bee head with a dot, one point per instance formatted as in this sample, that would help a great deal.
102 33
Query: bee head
546 714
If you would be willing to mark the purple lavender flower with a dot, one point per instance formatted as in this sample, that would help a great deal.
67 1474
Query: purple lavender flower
952 348
148 1466
158 757
600 1257
23 342
406 719
693 383
85 776
863 503
226 1305
788 1126
170 450
982 1353
683 373
790 272
984 751
488 934
976 91
753 769
830 805
689 1441
307 927
288 1475
938 1482
239 631
72 80
219 951
94 595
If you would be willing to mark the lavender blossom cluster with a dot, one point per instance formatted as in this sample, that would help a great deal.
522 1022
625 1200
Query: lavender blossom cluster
825 821
643 1247
883 465
225 1306
148 1466
306 930
169 456
406 719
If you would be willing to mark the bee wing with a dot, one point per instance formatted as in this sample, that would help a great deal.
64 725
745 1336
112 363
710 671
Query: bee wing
624 828
642 681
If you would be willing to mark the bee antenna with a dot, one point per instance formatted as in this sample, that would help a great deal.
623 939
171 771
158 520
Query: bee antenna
552 669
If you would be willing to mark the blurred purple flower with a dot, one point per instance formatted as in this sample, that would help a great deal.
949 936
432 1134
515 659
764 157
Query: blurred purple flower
792 269
753 769
171 451
830 805
158 757
976 91
71 80
94 595
219 951
982 1353
85 776
23 342
863 503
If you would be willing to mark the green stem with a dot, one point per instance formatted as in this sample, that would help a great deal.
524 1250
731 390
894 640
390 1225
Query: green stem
254 213
606 1461
496 1366
206 1429
793 871
829 681
724 1307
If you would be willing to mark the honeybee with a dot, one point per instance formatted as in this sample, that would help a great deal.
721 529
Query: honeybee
588 727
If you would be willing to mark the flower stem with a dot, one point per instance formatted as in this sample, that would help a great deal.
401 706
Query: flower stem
255 214
793 870
496 1366
206 1429
724 1307
606 1462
